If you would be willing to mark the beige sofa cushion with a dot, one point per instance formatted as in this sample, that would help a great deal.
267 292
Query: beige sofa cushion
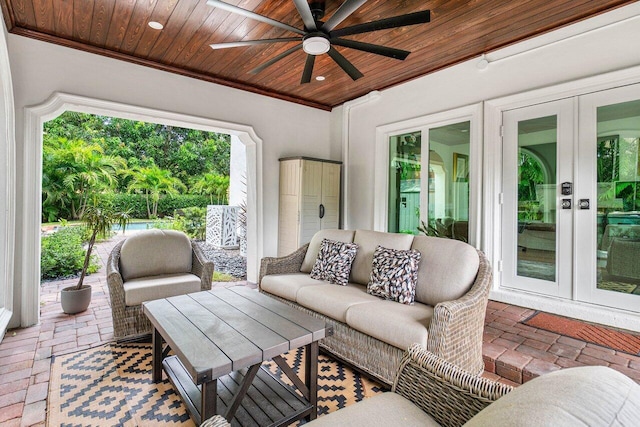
155 252
396 324
585 396
345 236
136 291
334 300
288 285
382 410
447 269
367 242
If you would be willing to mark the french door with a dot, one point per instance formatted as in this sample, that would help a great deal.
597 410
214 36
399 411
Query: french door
571 198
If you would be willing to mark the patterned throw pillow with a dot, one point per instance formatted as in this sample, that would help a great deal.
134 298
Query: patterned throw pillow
394 274
334 262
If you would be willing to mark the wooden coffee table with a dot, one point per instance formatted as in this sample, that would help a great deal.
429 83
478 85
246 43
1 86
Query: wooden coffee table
220 339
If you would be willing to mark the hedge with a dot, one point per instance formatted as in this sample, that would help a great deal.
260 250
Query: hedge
63 253
137 203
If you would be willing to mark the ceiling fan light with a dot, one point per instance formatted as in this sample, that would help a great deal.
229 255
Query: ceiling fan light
316 45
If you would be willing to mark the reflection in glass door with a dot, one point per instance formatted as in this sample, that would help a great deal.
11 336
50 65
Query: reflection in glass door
436 202
610 138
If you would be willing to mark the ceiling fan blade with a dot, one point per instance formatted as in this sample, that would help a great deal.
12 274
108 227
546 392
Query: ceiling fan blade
372 48
308 69
305 13
253 42
346 9
247 13
395 22
345 64
275 59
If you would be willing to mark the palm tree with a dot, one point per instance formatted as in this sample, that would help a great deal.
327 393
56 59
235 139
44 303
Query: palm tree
73 169
211 184
153 182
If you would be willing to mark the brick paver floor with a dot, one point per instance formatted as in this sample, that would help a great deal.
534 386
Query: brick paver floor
513 352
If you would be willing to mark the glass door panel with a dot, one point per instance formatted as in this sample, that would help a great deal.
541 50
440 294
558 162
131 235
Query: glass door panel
536 241
438 203
609 242
405 157
449 180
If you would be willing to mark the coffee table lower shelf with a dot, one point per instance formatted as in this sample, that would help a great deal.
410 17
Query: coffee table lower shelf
268 402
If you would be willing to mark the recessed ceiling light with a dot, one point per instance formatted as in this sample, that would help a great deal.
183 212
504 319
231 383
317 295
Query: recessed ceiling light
320 78
156 25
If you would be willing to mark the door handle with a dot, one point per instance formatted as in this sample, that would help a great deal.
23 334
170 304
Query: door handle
584 204
566 203
321 211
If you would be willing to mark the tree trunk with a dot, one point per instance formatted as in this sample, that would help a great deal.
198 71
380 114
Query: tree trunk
148 206
87 259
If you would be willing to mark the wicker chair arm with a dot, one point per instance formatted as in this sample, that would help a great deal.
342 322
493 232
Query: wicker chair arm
114 277
216 421
201 266
455 332
287 264
447 393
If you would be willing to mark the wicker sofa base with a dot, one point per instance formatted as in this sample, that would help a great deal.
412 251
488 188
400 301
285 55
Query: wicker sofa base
370 355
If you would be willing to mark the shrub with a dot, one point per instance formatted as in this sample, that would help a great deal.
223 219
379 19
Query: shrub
62 253
192 221
169 204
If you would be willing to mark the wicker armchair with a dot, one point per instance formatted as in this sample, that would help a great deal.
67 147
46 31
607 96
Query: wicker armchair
442 391
158 271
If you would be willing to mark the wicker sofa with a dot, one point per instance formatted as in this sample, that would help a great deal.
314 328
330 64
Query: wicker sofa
372 334
428 391
150 265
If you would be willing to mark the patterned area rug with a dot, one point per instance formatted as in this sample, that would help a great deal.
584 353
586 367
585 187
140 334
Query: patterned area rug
111 385
600 335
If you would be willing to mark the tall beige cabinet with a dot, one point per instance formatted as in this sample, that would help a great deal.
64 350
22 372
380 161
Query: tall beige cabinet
309 200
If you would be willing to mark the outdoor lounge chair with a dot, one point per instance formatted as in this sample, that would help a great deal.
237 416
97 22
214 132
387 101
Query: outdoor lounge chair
150 265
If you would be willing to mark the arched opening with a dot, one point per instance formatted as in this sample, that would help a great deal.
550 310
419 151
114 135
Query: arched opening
37 115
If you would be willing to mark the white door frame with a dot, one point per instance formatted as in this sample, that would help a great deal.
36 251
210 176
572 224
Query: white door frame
587 246
7 187
471 113
564 110
36 116
492 176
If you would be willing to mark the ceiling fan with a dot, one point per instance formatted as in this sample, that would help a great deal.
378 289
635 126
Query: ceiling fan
319 37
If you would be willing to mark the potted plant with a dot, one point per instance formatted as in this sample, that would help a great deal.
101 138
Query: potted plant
76 299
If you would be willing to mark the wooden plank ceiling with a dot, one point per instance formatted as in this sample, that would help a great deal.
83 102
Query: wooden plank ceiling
459 30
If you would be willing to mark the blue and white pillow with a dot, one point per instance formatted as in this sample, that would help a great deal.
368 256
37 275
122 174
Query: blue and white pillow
394 274
334 262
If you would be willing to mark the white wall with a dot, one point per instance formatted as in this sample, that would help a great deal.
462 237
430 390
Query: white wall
237 173
585 52
7 211
40 69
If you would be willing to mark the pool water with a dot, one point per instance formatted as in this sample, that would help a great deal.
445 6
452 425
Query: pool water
135 226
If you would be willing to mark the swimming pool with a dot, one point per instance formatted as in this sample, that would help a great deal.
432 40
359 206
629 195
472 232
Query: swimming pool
135 226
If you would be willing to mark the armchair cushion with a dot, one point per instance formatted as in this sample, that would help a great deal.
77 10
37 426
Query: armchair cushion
136 291
155 252
381 410
588 395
